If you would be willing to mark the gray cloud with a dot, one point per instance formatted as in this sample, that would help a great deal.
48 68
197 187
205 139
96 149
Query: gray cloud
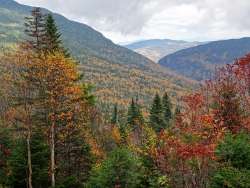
182 19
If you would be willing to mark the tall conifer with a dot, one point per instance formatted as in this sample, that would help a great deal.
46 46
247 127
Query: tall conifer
156 114
167 108
134 114
35 30
53 37
114 119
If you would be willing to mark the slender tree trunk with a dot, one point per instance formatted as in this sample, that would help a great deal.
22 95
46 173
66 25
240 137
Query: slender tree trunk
29 158
53 154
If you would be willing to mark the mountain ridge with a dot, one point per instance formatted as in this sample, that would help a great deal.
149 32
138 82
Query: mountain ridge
200 62
155 49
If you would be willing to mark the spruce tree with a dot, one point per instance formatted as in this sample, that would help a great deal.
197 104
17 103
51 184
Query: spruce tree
156 114
35 30
114 119
167 106
53 37
134 114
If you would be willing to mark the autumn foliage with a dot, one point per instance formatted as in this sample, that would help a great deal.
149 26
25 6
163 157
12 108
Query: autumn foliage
53 135
188 149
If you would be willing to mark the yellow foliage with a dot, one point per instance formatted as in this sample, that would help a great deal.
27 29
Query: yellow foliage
116 134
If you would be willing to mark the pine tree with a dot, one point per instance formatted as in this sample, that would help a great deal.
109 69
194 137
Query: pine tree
114 119
35 30
156 114
167 107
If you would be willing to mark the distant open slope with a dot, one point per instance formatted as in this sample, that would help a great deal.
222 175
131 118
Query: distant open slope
201 61
155 49
117 72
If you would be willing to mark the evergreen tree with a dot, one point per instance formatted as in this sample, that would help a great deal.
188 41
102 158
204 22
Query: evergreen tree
18 163
134 114
5 151
167 107
156 114
114 119
53 37
40 158
35 30
122 168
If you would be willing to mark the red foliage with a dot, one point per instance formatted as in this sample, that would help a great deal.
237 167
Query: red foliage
223 104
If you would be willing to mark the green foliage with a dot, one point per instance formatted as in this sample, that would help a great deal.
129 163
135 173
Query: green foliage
135 117
167 108
5 151
153 178
69 182
18 163
114 118
40 158
74 160
53 37
235 150
122 169
156 114
230 177
234 153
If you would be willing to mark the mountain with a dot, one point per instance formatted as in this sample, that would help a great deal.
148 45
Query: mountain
155 49
200 62
116 72
80 38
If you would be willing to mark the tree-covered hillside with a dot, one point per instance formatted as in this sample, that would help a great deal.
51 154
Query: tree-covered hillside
52 133
102 61
201 61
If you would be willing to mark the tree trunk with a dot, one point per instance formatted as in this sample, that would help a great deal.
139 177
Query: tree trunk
53 154
29 159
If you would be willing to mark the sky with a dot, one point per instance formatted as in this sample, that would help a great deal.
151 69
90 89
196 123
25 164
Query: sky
125 21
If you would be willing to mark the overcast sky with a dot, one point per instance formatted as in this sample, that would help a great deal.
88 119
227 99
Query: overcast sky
130 20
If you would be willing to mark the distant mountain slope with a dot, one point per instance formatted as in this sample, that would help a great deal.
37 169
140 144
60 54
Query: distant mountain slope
80 38
117 72
155 49
200 62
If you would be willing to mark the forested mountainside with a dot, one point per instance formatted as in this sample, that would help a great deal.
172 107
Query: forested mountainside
78 37
155 49
53 134
200 62
102 62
